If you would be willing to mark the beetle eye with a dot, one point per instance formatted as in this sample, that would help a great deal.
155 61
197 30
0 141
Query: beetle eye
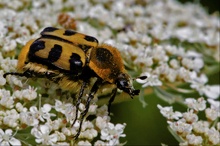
122 84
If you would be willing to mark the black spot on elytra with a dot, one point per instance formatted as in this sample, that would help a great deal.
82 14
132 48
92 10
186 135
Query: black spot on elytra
49 29
76 64
55 53
36 46
69 32
90 39
103 55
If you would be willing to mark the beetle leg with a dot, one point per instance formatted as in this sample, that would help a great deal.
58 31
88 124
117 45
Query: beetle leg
79 100
13 73
94 89
113 94
27 74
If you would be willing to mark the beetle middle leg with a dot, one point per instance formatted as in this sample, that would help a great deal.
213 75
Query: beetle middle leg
79 100
83 114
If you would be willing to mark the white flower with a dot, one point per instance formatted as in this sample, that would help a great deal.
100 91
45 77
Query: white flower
43 135
67 131
42 113
198 105
57 123
212 91
151 80
184 33
193 60
89 134
171 75
2 79
6 138
30 93
144 58
6 99
122 37
102 111
174 50
28 118
162 68
194 64
174 63
105 34
184 74
9 45
84 143
190 117
8 64
11 118
159 54
70 113
14 80
59 106
213 112
194 140
198 83
181 127
184 143
17 94
67 109
88 130
100 143
60 136
99 12
158 32
62 144
20 107
213 136
112 133
168 112
101 122
214 104
3 29
115 22
200 126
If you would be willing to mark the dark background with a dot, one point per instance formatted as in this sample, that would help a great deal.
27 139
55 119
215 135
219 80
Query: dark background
146 126
210 5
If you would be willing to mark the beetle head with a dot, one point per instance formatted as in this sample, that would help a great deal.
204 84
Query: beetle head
124 83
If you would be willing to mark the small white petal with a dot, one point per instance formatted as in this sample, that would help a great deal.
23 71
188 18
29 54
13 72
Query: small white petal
8 132
14 141
44 129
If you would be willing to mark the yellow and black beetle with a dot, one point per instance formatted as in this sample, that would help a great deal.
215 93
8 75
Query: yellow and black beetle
71 59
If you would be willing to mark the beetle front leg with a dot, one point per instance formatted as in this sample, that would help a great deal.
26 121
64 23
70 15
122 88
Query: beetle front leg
113 94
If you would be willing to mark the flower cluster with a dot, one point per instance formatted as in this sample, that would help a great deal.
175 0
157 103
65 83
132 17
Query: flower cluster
51 124
156 39
189 128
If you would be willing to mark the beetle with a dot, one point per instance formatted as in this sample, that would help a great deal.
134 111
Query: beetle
71 59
